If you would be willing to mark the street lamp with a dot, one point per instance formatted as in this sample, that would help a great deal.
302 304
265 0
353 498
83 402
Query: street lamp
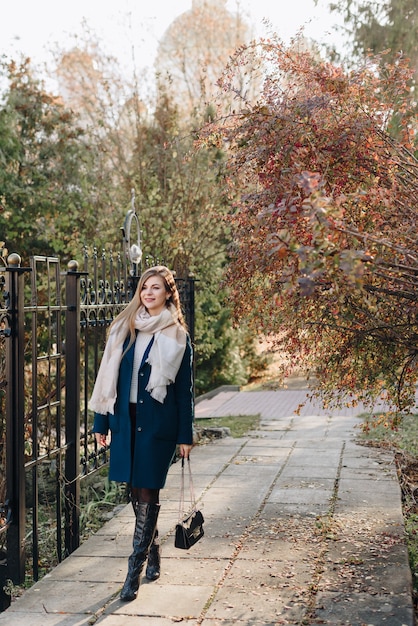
131 247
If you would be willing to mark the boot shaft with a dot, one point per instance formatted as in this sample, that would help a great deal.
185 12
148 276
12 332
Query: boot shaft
154 559
146 516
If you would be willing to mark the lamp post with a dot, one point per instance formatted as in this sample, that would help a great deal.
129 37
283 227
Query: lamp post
132 249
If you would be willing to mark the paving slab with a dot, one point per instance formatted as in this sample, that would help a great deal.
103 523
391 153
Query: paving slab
137 620
160 600
302 526
89 569
249 621
63 597
43 619
358 609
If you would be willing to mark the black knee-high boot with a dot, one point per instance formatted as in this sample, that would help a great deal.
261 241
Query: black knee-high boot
154 559
146 521
153 569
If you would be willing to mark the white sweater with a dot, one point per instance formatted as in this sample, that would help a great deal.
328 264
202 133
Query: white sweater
141 344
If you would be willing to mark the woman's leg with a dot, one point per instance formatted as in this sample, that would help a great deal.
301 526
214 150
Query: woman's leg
145 503
151 496
146 506
143 494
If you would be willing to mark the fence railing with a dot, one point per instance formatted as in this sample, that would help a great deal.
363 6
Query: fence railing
52 333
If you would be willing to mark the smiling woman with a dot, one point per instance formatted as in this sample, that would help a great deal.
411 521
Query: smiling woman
143 395
154 295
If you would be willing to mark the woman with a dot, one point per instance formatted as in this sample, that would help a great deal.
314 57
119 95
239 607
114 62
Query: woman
144 395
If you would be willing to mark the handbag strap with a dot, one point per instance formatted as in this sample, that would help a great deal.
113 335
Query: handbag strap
182 511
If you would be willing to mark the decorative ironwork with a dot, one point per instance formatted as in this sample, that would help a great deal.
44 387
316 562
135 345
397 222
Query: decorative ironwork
53 327
5 332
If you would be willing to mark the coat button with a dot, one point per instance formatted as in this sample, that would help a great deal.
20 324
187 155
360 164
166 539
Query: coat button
139 429
141 402
141 373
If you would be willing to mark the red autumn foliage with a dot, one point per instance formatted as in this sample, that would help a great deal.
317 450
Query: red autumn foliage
324 252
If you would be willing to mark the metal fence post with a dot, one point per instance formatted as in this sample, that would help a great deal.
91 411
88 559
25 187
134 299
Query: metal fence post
192 282
15 418
72 408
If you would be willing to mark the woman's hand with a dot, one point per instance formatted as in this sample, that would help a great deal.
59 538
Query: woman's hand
184 450
101 439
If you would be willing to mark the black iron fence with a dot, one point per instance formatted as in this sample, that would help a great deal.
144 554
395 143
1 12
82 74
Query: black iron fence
52 333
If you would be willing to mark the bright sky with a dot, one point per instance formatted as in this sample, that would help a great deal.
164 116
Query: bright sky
33 27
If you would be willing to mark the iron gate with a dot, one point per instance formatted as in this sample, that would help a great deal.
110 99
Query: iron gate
52 334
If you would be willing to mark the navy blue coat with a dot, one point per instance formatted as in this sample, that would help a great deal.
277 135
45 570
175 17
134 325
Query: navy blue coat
159 426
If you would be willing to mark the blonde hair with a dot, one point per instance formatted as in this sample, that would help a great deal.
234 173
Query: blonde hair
128 315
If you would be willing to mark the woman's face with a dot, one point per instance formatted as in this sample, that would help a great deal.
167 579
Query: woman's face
154 295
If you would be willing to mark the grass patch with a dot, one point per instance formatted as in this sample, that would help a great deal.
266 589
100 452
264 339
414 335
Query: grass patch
401 436
98 497
380 429
239 425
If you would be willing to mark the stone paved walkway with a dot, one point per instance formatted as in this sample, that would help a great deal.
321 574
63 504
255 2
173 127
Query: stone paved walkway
302 526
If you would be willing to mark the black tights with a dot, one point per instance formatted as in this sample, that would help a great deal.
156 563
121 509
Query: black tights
143 494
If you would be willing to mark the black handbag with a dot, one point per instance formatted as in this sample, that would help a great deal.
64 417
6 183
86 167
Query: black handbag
189 528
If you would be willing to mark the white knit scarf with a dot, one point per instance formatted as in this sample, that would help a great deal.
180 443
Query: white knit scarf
165 357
